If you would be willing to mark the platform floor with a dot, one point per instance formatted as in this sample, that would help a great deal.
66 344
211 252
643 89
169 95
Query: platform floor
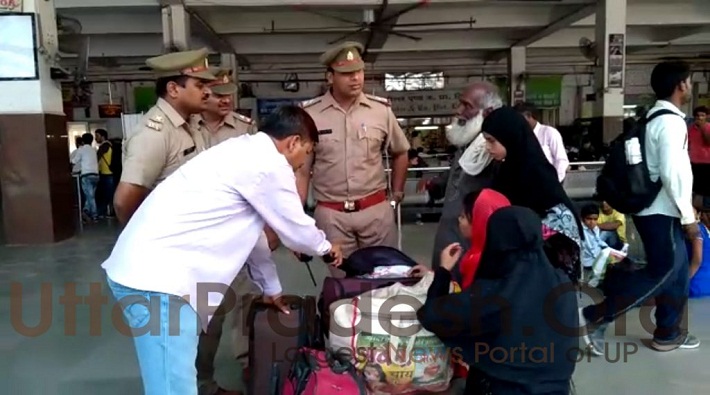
57 362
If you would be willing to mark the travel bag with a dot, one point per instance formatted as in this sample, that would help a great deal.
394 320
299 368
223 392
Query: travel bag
625 182
275 338
380 332
360 263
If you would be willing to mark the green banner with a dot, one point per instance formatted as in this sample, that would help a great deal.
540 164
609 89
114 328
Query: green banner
544 92
144 98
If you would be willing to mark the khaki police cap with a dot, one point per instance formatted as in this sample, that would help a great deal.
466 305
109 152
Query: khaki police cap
189 63
223 85
344 58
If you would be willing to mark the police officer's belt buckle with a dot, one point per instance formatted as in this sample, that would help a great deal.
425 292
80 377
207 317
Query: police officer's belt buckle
349 206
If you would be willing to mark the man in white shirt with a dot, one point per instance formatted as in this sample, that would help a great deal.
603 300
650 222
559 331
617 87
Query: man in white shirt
662 226
192 235
85 159
550 139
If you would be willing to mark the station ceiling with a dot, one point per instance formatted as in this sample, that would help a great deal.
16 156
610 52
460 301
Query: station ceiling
273 37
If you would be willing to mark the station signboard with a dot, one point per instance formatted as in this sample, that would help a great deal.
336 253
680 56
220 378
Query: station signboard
424 103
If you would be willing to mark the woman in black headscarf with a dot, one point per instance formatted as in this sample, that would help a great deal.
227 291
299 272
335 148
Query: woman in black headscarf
528 179
516 326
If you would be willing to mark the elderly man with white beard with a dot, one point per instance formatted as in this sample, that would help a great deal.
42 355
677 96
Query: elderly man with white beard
471 170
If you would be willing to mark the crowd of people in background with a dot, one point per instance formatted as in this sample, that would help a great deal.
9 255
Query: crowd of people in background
508 229
97 169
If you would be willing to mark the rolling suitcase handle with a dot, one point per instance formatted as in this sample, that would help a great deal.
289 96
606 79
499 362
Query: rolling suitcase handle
328 258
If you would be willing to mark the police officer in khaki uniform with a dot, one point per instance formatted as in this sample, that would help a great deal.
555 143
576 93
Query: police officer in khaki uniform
219 122
347 170
165 140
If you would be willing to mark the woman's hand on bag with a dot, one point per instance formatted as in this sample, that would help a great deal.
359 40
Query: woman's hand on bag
450 255
277 301
418 271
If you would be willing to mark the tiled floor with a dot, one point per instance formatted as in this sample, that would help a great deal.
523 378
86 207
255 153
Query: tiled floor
68 359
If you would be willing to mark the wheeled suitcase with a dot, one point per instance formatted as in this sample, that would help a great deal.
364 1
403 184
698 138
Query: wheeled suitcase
275 338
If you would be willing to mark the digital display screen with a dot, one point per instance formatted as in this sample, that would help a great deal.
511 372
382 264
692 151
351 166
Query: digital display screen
18 52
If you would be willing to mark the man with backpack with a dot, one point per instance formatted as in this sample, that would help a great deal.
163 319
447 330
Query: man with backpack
648 173
107 164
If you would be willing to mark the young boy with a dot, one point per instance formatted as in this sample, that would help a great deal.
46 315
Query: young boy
612 225
595 251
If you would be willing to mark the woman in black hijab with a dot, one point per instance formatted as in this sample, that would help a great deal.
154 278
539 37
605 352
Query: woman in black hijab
528 179
516 326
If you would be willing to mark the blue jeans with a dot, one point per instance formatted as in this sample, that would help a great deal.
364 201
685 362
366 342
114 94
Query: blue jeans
612 239
104 194
88 186
664 278
165 331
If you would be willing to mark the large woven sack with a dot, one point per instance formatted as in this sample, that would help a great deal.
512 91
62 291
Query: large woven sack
381 332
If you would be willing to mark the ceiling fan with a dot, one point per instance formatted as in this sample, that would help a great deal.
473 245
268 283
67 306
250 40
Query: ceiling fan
375 20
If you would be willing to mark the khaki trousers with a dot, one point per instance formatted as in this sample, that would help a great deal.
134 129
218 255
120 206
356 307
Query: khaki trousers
374 226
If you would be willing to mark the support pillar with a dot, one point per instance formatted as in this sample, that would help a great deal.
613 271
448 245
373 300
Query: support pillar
516 72
229 61
38 191
176 27
610 73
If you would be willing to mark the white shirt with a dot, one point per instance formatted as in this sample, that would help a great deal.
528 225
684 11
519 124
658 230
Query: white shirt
667 158
204 220
85 161
554 148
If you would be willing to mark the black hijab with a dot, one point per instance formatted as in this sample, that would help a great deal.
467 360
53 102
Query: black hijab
526 176
517 300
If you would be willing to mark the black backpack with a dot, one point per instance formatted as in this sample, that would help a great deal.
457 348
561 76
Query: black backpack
628 188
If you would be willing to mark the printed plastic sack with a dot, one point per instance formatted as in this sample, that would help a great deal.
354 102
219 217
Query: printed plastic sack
380 331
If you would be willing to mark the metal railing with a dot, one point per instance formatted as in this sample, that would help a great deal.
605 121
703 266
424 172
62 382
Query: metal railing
579 184
447 168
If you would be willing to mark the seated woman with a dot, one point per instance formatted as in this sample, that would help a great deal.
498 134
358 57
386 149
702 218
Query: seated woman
528 179
514 337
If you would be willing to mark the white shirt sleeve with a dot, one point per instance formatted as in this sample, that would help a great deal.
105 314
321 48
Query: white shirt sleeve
674 165
559 154
74 156
262 268
274 196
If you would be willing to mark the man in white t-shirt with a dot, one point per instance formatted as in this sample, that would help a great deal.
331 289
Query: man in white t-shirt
663 227
192 235
85 160
550 139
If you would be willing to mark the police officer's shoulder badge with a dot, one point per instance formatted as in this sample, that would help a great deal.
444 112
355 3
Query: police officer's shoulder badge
378 99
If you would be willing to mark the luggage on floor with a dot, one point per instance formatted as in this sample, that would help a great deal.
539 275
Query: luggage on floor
360 263
275 337
381 332
316 372
335 289
365 260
